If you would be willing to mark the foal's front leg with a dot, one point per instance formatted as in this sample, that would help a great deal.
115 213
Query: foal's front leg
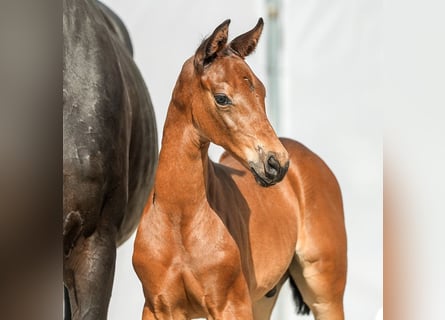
236 304
230 306
147 314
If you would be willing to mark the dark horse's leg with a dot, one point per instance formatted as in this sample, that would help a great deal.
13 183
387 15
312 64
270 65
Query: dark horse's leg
89 273
66 306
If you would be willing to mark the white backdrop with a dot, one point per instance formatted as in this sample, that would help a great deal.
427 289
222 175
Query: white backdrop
330 64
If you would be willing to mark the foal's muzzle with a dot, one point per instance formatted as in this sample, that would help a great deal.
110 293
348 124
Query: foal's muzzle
269 171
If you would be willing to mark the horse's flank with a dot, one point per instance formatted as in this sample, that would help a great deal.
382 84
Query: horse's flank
109 151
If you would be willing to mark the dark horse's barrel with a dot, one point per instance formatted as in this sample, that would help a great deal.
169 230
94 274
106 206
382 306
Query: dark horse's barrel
109 151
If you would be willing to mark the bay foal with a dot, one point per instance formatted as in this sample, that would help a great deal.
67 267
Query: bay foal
213 241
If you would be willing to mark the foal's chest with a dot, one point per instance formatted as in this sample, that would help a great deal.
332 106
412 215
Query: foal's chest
195 265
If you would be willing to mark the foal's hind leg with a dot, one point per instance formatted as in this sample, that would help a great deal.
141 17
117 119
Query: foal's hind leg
321 283
89 272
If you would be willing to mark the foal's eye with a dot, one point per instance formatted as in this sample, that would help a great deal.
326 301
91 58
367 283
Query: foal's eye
222 99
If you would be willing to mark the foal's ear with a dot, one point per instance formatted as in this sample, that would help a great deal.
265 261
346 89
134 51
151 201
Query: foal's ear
210 47
246 43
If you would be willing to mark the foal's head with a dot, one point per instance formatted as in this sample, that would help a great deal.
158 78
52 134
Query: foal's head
228 106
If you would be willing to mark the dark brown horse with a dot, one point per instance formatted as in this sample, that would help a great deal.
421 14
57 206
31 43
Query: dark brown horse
109 152
218 240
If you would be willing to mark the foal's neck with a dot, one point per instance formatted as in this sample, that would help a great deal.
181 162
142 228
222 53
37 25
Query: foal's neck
180 184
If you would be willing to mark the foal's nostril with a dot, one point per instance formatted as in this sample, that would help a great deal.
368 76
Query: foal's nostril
273 163
272 167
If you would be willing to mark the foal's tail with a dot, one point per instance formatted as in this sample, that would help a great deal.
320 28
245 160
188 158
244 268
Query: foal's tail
302 307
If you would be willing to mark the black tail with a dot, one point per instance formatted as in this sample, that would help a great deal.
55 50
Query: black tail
302 307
